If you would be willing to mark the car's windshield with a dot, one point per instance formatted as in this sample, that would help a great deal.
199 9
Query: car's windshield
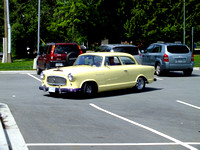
89 60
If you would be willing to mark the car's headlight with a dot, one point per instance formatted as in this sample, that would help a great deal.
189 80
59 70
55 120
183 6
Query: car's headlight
70 77
42 75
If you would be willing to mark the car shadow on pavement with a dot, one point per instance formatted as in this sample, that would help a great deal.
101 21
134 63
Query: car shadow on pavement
177 74
125 92
79 96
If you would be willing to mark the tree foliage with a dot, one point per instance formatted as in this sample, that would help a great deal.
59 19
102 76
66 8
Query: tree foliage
91 21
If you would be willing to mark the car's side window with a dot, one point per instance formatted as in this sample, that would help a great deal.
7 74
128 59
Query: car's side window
127 60
107 49
41 50
49 49
150 48
156 49
44 50
102 48
112 61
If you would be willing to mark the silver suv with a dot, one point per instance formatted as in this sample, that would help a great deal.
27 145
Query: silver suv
169 57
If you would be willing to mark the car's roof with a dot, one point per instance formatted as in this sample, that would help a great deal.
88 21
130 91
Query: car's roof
61 44
107 54
118 45
169 44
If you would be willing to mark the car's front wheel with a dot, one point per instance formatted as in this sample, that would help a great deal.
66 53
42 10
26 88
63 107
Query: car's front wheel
140 84
89 89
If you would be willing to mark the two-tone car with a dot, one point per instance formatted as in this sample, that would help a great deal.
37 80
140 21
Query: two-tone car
94 72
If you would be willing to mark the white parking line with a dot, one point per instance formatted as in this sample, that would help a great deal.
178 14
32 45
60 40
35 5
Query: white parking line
107 144
34 77
145 127
188 104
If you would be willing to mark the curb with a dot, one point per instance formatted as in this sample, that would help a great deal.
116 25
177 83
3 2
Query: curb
196 68
18 72
10 135
3 141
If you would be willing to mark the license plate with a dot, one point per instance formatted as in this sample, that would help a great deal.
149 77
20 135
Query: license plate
59 64
180 60
52 89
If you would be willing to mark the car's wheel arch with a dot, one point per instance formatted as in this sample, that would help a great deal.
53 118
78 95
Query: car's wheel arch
93 82
157 62
161 70
89 89
142 76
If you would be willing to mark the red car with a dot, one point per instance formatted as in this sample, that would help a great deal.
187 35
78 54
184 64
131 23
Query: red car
57 54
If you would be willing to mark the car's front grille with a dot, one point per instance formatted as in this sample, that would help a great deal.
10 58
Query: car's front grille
56 80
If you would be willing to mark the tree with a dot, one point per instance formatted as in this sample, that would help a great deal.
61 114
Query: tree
154 21
92 21
24 26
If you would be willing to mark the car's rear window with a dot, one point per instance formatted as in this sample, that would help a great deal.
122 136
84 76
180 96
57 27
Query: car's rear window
130 50
64 49
177 49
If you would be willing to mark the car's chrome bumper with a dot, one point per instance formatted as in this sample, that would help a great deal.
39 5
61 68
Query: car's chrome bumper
60 90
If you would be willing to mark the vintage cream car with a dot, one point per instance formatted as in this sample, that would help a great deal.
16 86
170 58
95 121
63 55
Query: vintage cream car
98 72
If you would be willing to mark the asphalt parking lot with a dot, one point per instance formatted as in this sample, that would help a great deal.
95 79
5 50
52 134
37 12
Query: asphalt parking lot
165 116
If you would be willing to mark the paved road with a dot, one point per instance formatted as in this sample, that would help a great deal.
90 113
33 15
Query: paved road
165 116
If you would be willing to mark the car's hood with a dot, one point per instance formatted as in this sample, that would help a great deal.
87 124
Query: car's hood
71 69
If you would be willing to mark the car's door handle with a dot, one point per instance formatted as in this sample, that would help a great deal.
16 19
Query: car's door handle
125 70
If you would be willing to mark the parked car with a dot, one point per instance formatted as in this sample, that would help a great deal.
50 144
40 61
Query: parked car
93 73
131 49
169 57
57 54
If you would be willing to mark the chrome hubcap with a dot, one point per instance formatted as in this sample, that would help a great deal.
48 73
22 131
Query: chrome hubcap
89 89
140 84
158 70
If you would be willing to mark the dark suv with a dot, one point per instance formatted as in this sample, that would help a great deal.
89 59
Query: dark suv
57 54
125 48
169 57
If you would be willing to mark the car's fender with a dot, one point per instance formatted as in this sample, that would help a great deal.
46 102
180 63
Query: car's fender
88 80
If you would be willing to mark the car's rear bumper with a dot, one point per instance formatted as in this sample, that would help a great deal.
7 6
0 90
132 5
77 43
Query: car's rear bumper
60 90
177 67
151 80
54 64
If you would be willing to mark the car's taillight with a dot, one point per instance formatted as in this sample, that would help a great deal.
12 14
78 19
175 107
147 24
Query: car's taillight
80 50
51 57
165 58
192 58
52 52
